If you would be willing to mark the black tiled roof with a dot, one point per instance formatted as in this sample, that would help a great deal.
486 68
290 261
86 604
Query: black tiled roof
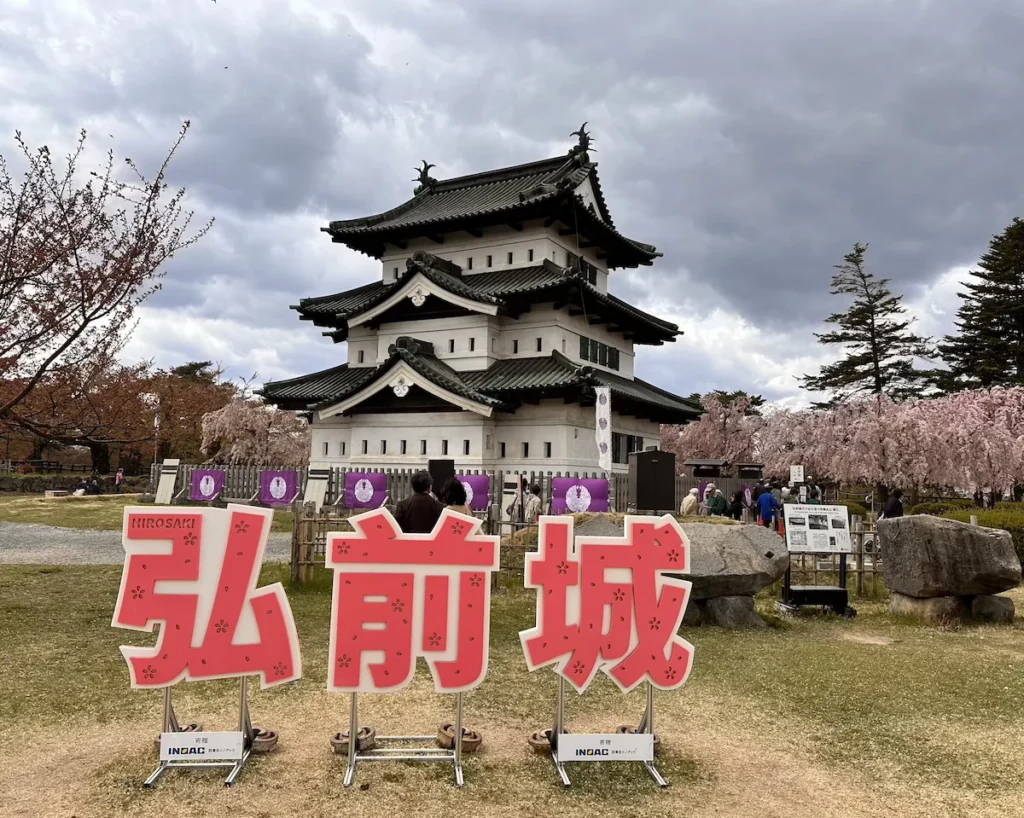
512 291
541 189
307 390
502 385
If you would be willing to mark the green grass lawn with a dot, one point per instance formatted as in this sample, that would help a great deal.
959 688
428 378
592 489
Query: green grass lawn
104 512
815 716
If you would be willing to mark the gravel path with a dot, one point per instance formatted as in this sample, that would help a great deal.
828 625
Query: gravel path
28 543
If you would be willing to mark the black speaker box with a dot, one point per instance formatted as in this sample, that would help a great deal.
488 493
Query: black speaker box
652 481
441 471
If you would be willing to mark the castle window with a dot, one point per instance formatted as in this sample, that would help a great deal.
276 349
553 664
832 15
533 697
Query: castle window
529 255
360 356
327 447
396 273
540 344
509 258
547 450
403 447
383 447
423 447
490 261
469 263
366 447
584 349
465 447
515 347
526 449
501 449
444 447
613 358
472 344
451 345
343 448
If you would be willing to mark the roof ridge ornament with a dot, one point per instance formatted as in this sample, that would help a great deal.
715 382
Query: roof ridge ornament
584 145
426 181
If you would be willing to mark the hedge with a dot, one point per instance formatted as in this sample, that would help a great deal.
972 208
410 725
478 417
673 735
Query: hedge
856 508
1012 521
938 508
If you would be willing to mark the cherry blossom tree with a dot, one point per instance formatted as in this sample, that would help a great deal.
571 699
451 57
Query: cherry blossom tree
248 432
77 256
726 430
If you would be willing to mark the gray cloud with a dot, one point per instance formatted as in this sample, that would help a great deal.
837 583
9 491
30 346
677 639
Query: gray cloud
753 142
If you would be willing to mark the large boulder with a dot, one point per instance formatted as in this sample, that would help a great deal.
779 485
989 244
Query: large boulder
998 609
930 557
731 612
725 560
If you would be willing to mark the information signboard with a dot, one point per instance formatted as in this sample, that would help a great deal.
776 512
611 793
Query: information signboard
796 474
201 747
817 529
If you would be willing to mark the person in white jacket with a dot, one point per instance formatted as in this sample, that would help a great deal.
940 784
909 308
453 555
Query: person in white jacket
691 505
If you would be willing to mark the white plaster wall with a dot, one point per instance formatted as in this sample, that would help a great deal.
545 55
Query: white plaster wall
568 428
483 329
497 242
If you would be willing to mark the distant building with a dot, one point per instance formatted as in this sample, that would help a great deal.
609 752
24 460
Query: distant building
488 330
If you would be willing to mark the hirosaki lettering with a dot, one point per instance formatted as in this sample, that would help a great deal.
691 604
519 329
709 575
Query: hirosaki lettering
194 575
603 603
402 596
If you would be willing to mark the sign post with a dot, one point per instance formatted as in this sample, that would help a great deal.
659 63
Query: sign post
624 628
214 622
398 597
817 529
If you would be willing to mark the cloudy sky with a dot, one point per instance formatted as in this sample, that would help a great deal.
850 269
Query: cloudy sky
752 141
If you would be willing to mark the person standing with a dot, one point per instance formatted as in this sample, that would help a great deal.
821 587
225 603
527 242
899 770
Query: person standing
118 481
533 504
691 505
736 506
453 495
419 513
759 489
894 507
768 507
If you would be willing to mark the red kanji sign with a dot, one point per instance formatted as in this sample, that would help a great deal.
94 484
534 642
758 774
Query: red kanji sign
194 572
603 603
400 596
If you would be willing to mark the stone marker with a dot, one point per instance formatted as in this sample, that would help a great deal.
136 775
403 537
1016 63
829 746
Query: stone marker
986 608
927 609
927 556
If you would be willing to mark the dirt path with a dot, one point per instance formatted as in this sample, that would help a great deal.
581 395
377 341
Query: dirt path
31 544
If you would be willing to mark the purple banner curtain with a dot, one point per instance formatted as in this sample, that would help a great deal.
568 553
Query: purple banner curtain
365 489
278 487
207 484
478 487
748 495
574 495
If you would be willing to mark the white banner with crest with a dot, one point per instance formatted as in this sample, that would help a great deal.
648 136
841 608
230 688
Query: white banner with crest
603 427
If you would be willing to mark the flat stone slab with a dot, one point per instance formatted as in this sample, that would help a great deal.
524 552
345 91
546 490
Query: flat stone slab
928 556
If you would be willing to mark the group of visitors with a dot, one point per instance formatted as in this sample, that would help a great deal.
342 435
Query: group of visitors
419 513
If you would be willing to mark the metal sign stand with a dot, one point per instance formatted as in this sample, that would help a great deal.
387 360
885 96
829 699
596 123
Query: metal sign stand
646 726
430 753
244 726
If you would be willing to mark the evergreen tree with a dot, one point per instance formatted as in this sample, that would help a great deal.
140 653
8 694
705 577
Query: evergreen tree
880 348
753 402
988 349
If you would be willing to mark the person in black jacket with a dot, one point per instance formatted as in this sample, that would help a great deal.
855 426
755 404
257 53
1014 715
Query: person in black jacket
418 514
894 508
736 506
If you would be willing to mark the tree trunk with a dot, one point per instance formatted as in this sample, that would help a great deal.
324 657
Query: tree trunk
1018 492
100 453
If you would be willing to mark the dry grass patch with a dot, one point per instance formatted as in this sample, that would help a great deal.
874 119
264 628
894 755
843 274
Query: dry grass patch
809 719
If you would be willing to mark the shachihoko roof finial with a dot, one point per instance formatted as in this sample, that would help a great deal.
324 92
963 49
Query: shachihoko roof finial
585 143
424 177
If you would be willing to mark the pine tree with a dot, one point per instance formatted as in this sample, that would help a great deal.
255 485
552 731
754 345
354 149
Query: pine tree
880 348
988 349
